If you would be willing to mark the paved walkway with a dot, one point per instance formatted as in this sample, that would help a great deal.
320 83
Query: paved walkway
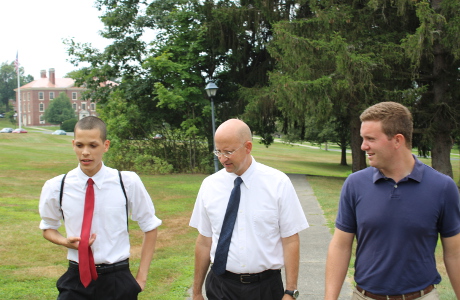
314 242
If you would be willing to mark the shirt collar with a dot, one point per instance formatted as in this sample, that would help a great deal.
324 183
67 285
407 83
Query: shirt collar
248 174
416 174
98 178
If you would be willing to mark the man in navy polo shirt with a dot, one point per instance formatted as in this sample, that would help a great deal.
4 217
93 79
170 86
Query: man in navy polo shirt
396 208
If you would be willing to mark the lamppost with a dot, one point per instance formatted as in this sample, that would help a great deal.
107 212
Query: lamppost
211 90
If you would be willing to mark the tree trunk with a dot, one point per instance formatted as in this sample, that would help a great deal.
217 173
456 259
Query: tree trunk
357 155
442 142
343 147
343 158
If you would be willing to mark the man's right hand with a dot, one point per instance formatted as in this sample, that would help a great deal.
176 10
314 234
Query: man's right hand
74 242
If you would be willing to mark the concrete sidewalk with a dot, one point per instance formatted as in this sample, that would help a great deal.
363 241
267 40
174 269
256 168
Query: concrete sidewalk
314 242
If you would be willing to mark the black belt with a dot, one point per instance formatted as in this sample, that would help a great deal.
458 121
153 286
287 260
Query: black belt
250 277
105 268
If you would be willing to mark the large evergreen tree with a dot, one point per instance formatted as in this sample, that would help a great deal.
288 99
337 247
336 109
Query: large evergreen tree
163 79
434 51
352 54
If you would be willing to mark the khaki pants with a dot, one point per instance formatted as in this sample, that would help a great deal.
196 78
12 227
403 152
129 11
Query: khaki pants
433 295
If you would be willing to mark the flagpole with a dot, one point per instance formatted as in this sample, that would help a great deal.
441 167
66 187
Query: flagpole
19 91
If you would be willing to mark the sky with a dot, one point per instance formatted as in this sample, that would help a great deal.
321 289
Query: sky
35 29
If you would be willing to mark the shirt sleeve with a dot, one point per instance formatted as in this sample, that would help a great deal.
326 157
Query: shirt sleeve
200 219
140 203
346 216
49 208
449 224
292 216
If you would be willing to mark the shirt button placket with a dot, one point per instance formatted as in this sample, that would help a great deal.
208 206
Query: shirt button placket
242 239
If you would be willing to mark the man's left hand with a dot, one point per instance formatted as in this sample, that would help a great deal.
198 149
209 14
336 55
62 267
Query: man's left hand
141 283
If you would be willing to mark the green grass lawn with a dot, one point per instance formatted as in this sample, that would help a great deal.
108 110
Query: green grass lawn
30 265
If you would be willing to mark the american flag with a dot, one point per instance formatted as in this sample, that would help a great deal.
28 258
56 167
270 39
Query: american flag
16 63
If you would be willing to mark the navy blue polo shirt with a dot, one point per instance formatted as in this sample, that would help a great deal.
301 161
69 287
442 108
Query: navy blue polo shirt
397 226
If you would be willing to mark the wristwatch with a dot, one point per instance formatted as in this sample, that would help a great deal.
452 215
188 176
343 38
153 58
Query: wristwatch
294 294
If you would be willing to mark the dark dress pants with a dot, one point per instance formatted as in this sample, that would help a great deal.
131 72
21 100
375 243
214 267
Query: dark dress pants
117 285
221 288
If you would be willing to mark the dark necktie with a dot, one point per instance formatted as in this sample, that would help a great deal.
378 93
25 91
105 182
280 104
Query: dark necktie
85 255
220 258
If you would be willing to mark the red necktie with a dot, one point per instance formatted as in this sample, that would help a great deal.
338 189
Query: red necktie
85 255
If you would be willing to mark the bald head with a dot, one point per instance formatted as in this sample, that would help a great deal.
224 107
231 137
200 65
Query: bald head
234 137
235 129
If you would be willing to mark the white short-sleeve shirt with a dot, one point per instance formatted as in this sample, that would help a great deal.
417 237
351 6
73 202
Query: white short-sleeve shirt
269 210
109 219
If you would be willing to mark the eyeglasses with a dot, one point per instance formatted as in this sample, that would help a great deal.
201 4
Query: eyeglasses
227 154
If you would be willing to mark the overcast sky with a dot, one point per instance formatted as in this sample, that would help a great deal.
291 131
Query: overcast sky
36 28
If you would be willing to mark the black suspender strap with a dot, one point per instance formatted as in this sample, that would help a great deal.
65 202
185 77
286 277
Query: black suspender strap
126 197
122 187
60 195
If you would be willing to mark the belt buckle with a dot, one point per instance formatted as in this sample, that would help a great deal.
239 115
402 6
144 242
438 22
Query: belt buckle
242 278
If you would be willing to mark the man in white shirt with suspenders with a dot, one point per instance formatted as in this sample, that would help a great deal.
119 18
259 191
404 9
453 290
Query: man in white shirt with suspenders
94 201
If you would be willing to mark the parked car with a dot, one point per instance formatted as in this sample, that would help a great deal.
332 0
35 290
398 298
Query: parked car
6 130
59 132
158 136
2 115
19 130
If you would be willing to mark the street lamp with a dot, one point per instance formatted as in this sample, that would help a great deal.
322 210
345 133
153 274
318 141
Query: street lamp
211 90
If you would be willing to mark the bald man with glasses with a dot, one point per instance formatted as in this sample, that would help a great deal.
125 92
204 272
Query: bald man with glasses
248 217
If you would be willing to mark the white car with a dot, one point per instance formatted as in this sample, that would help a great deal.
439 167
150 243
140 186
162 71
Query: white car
6 130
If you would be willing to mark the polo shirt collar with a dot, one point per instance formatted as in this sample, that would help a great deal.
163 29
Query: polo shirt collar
416 174
98 178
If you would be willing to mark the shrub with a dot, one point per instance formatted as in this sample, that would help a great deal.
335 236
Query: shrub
175 153
69 125
148 164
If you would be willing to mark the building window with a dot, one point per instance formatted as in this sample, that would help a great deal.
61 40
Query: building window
74 106
74 95
28 107
41 107
51 95
28 96
93 106
41 96
42 119
83 106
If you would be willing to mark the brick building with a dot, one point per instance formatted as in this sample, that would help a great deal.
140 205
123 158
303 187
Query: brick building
37 95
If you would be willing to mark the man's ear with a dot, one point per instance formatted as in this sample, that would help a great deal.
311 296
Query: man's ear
249 145
106 145
400 140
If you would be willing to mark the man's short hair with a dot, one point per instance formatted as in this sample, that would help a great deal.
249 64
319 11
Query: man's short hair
92 122
395 118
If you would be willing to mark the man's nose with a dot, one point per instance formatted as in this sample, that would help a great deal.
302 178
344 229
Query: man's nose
85 151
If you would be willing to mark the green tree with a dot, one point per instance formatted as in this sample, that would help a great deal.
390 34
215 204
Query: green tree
164 80
434 53
59 110
9 82
351 54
